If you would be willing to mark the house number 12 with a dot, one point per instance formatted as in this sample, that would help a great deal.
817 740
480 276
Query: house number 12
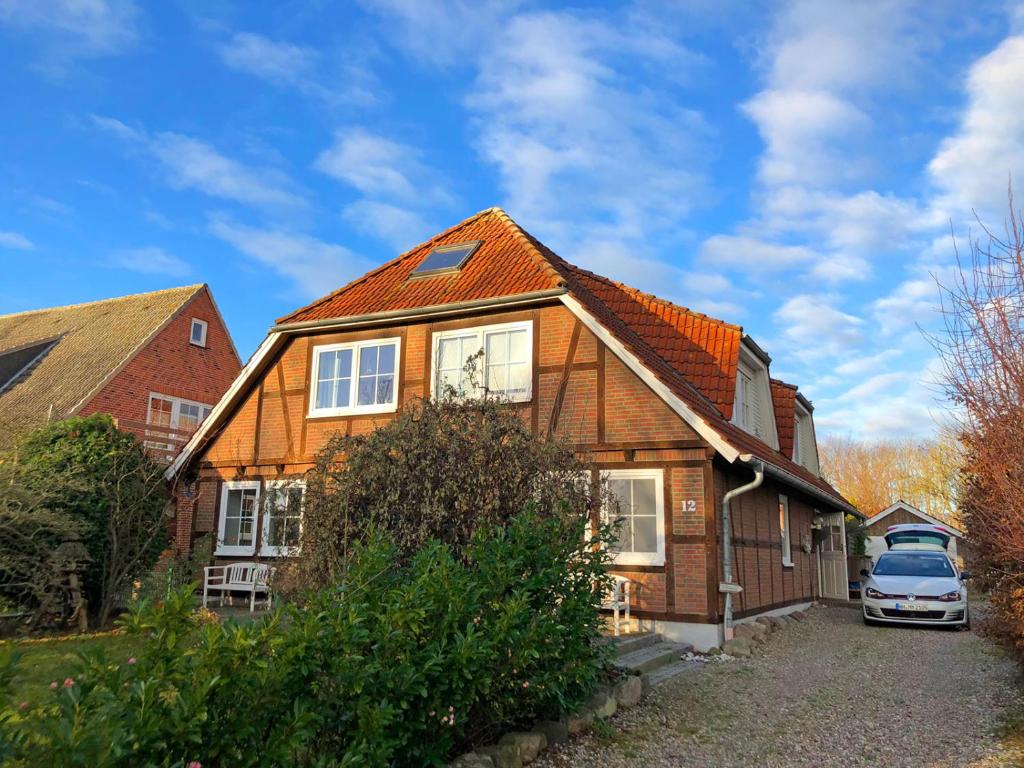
689 505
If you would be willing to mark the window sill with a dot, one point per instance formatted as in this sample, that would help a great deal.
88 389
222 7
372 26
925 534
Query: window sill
787 564
280 551
366 410
197 344
653 561
234 552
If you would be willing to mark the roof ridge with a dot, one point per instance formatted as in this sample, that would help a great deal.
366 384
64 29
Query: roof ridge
782 383
631 289
193 289
389 264
531 244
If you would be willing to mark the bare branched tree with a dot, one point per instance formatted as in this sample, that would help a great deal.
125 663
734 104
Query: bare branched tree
982 350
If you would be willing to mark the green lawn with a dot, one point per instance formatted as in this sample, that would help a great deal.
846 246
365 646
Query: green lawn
43 661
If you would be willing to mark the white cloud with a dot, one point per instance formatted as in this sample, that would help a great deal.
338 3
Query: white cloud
973 166
151 260
314 265
301 67
193 164
913 301
750 253
859 366
399 227
16 241
584 153
71 29
442 33
266 58
381 167
814 326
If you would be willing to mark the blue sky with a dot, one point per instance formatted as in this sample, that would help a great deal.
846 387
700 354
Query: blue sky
793 167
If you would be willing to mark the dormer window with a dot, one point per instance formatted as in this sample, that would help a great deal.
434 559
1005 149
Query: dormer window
197 335
752 409
446 259
805 450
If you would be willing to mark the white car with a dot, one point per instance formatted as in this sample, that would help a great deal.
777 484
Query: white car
918 586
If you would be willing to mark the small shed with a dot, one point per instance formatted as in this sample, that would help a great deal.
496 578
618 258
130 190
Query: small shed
901 513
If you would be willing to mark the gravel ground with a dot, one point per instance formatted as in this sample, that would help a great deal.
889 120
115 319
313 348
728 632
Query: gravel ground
828 691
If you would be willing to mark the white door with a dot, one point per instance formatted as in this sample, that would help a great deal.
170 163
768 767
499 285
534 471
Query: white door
832 575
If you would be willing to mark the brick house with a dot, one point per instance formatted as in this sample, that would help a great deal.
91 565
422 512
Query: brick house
157 362
675 409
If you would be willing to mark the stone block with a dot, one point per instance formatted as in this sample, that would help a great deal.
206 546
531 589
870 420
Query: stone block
529 743
472 760
503 755
602 704
628 691
580 722
555 731
739 646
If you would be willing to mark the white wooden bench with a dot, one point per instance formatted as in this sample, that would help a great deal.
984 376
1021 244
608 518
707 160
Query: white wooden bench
253 578
617 599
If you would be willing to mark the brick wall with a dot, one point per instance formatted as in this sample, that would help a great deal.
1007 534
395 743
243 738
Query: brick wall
170 365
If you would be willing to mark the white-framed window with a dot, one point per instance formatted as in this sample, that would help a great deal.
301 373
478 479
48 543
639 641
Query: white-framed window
281 529
798 444
176 412
744 400
641 510
504 366
357 377
197 333
239 505
784 530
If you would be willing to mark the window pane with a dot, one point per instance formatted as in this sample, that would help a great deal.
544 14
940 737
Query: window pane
345 363
620 490
497 378
342 393
625 537
272 533
518 351
367 361
519 378
367 390
160 411
385 389
643 497
645 534
386 359
231 531
328 364
290 534
497 348
448 352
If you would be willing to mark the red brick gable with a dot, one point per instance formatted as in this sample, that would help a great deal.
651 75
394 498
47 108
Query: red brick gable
784 404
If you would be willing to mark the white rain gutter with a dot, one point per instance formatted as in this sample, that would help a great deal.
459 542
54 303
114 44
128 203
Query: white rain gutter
727 587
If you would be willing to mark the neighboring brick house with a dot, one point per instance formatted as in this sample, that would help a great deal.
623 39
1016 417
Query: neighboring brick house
158 362
673 407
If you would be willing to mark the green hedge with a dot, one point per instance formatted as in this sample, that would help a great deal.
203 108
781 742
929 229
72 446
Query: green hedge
401 665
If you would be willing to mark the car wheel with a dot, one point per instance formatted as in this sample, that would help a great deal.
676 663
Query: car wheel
967 619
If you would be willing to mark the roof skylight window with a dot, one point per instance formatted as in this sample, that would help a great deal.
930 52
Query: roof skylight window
446 259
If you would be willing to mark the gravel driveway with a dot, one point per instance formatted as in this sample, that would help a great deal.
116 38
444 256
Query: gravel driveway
828 691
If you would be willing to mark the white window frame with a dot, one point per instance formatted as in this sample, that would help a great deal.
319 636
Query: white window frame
785 530
191 332
272 486
798 453
237 549
744 383
353 409
658 475
481 331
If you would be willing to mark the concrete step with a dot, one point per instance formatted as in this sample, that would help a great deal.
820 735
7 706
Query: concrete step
651 657
625 644
667 672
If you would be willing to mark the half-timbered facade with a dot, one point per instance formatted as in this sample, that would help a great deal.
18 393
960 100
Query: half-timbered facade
671 407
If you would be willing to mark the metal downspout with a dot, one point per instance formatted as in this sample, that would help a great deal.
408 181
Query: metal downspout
727 586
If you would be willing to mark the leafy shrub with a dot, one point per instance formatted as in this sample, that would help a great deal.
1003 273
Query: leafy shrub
31 531
441 469
402 664
116 492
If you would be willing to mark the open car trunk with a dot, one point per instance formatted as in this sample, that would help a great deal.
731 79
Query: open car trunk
929 536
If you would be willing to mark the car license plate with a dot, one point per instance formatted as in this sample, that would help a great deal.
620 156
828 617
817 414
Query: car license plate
911 607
